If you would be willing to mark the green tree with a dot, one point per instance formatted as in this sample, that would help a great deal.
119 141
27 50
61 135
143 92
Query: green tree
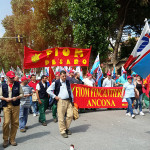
53 22
131 15
127 47
91 22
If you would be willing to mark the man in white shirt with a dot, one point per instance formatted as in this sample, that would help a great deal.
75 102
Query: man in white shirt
64 97
87 81
108 82
42 97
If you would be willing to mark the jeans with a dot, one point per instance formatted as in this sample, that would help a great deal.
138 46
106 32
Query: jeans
34 105
23 117
139 102
130 101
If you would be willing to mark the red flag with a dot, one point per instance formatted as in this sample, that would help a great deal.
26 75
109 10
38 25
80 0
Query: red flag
51 75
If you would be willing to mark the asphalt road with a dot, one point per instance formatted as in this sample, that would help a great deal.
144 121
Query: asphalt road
99 130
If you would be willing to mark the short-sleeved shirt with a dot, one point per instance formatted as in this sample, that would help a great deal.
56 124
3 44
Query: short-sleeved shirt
33 84
76 81
25 101
122 80
108 82
87 82
129 90
38 86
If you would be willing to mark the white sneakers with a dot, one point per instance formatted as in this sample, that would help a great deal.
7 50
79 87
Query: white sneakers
133 116
141 113
136 112
128 114
34 115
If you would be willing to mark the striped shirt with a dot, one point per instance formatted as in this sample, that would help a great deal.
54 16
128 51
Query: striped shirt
25 101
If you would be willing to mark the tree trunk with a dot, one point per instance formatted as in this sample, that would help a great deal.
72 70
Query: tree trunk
119 34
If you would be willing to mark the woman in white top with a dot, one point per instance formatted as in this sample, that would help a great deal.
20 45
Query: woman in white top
129 89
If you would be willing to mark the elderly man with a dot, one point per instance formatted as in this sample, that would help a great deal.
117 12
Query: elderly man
88 81
10 94
63 96
76 79
108 82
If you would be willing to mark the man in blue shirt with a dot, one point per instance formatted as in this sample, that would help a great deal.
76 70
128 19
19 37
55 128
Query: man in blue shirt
122 79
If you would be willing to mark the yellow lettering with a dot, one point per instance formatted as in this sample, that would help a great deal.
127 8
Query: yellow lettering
61 61
68 61
119 92
49 52
78 52
75 61
94 102
89 103
46 62
53 62
56 51
98 102
113 103
84 61
66 52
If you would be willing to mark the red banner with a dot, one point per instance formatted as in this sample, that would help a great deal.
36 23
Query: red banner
98 97
62 56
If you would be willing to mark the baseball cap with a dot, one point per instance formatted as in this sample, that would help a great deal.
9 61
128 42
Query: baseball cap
108 74
10 74
129 77
71 71
24 78
88 74
57 73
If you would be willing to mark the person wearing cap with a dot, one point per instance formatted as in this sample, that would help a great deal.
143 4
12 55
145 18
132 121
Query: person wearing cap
76 79
33 99
122 79
108 82
71 73
10 93
87 81
24 104
57 76
42 97
64 97
129 89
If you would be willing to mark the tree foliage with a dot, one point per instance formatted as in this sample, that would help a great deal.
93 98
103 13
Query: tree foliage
91 22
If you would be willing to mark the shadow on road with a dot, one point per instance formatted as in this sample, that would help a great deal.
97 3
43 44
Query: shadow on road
31 136
81 128
39 124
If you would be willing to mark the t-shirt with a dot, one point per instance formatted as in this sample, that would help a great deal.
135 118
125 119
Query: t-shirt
129 90
76 81
108 83
122 80
87 82
25 101
33 84
38 86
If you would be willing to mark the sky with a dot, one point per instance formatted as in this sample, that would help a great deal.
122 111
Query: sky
5 10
